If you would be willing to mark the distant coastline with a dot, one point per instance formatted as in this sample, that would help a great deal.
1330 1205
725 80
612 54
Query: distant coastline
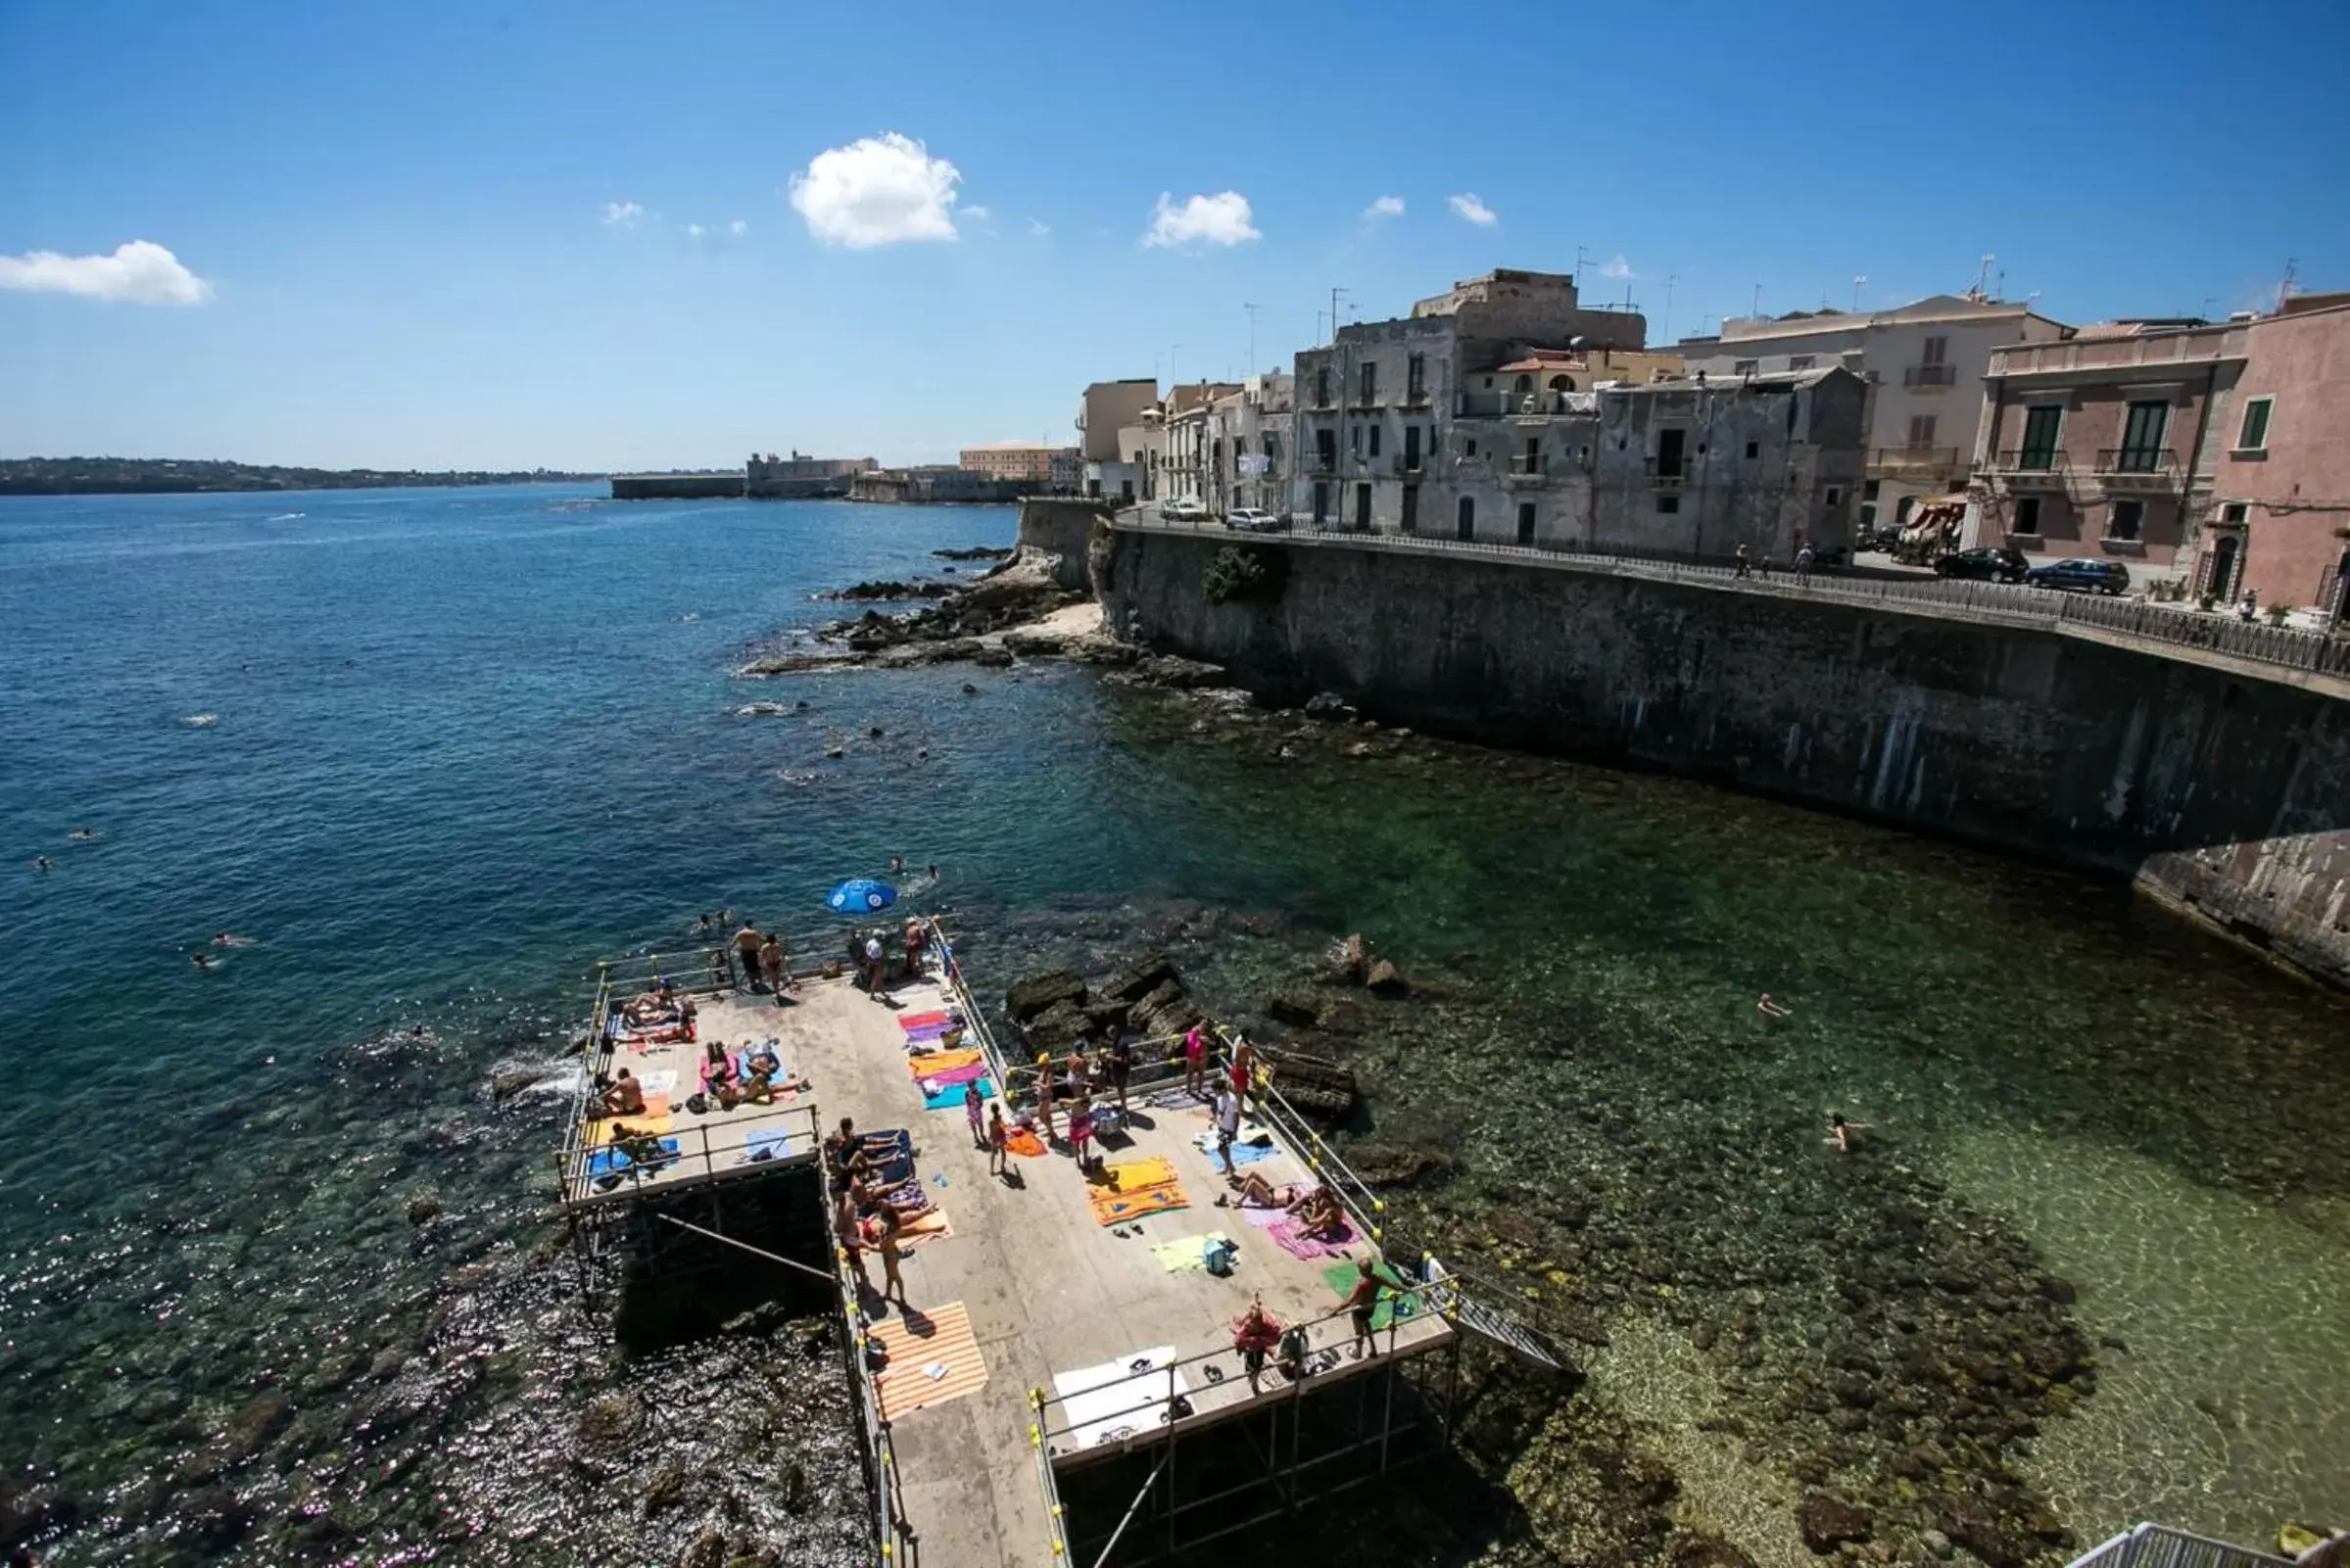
149 476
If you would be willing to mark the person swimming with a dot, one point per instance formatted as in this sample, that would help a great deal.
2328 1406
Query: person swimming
83 835
228 940
1842 1133
1771 1007
41 865
202 960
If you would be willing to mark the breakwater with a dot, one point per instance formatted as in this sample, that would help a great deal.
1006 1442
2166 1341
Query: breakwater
2217 788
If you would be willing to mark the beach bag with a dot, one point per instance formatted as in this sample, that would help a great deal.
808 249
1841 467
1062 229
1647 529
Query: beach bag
699 1106
1220 1256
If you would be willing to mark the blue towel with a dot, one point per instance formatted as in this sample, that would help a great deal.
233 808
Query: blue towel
776 1141
609 1162
1248 1154
950 1096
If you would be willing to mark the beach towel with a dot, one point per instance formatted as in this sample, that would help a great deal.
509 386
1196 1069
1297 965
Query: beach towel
776 1142
1263 1218
949 1096
1127 1174
652 1125
1291 1234
1186 1254
661 1082
933 1356
1022 1141
937 1062
929 1226
611 1162
1341 1279
1243 1154
1115 1399
962 1075
1175 1100
910 1021
1113 1208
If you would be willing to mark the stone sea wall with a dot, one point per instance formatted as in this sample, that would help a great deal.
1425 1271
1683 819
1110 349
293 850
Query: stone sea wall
1061 527
2222 792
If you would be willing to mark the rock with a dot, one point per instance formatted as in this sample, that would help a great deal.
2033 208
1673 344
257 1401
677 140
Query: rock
610 1423
423 1209
889 588
1828 1520
1328 705
760 710
796 1496
260 1419
1352 958
976 553
31 1510
1058 1026
666 1489
970 690
1032 994
1299 1009
1175 673
1141 978
1097 648
1152 1011
507 1082
707 1551
993 659
1383 977
1936 1545
1035 644
212 1520
1391 1165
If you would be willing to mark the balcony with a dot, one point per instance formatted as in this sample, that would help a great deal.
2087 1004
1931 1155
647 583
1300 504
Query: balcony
2032 468
1415 396
2135 469
1526 473
1913 462
1667 476
1403 465
1541 405
1323 462
1927 376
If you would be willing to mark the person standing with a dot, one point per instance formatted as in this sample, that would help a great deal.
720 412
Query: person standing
999 1139
1195 1060
851 1239
1803 561
1080 1132
1227 1128
1742 567
875 978
975 1111
1122 1066
915 937
1044 1095
892 1282
748 943
1362 1302
771 964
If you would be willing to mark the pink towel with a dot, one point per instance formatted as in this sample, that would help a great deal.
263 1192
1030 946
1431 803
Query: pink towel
1290 1232
953 1076
1263 1218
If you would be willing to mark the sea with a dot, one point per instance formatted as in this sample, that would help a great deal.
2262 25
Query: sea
279 1276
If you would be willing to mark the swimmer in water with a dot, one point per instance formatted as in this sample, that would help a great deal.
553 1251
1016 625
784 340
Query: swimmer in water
1770 1007
201 959
1842 1133
225 939
897 865
83 835
41 865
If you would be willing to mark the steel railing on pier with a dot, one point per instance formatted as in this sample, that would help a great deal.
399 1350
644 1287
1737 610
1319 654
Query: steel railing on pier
2152 1546
2136 620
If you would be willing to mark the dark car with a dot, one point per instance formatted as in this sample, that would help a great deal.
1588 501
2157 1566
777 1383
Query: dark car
1985 565
2082 577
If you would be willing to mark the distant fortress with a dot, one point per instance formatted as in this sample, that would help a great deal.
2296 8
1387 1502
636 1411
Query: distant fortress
1003 473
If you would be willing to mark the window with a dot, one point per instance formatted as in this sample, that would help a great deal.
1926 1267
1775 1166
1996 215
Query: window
2254 437
1354 438
1525 522
1921 431
1362 506
1868 490
1743 367
1411 449
2027 514
1835 495
1754 449
1799 361
1470 447
1668 503
1371 379
1273 445
1415 376
1670 444
1321 385
1375 439
2142 440
1465 519
1935 351
2128 516
2040 427
1411 519
2233 514
1326 449
1322 503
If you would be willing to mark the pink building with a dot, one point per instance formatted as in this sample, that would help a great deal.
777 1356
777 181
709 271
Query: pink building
2279 520
2108 442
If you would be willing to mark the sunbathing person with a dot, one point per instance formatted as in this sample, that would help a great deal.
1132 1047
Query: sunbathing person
717 1067
1258 1193
764 1060
624 1097
655 1006
637 1147
1321 1213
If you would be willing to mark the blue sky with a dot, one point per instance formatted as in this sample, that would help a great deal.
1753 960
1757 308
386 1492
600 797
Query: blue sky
440 235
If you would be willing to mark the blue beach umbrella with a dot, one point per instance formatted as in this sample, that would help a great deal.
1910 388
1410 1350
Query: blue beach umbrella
861 896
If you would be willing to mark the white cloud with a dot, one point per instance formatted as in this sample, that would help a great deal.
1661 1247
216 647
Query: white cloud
977 214
1385 207
1218 219
738 228
1038 227
138 272
878 190
622 215
1615 267
1468 206
695 231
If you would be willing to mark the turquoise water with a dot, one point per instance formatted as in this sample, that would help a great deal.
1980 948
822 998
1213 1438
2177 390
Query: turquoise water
459 744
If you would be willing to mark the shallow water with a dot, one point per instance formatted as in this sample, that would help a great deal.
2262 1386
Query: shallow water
465 741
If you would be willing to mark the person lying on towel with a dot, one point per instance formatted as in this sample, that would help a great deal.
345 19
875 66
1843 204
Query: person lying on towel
656 1006
717 1067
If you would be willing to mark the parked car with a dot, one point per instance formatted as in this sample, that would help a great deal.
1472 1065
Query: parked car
1885 541
2080 576
1250 520
1183 509
1988 564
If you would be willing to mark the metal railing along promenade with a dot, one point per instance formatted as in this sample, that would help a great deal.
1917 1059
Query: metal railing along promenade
2152 1546
2158 626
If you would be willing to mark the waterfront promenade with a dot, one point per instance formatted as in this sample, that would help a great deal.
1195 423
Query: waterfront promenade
2267 653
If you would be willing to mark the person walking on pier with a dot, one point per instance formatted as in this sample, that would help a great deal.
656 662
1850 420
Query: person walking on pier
1803 561
748 943
1362 1303
975 1113
1744 566
850 1237
1227 1128
771 963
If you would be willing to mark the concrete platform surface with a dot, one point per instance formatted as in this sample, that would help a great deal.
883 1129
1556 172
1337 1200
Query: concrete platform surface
1048 1289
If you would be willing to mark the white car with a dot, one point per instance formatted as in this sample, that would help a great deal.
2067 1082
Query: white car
1249 520
1183 509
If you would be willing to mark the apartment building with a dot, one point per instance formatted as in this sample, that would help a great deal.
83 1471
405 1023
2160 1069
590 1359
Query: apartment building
1022 462
2107 443
2278 524
1924 364
1375 408
1106 408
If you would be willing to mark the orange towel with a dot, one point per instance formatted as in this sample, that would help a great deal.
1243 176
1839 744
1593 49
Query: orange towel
1111 1206
937 1062
1020 1141
915 1340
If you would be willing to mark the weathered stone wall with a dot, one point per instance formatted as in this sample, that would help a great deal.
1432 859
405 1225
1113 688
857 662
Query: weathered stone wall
2225 792
1060 527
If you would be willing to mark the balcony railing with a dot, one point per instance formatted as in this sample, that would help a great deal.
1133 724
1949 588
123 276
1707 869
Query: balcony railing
1667 476
2137 467
1510 404
2032 468
1912 460
1930 375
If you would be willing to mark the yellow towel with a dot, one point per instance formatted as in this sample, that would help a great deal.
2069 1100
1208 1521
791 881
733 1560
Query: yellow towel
1155 1171
1112 1207
650 1127
937 1062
